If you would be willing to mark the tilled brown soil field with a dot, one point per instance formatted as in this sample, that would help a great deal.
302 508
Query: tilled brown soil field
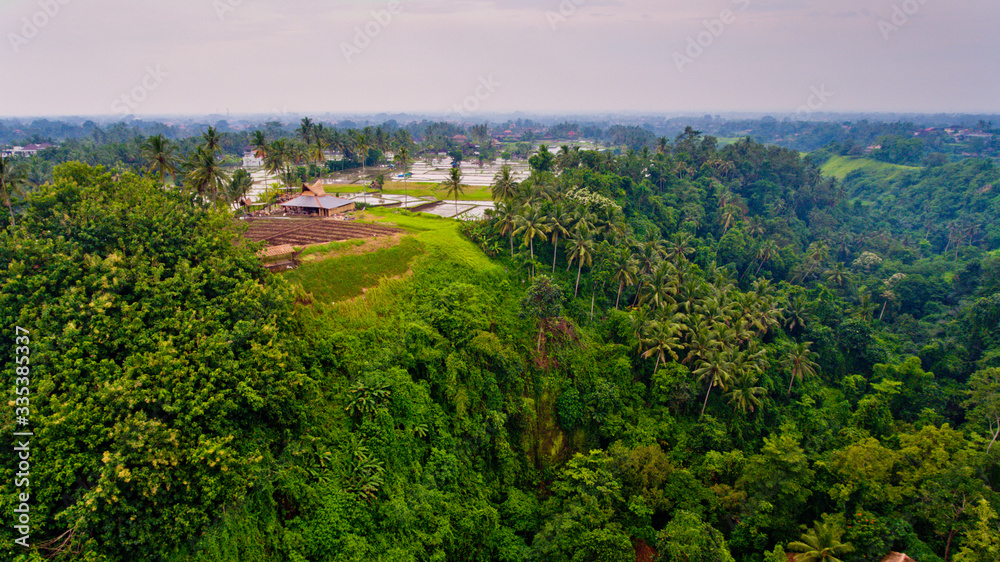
304 232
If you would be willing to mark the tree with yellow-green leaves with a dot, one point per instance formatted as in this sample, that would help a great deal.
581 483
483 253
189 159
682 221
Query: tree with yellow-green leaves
162 382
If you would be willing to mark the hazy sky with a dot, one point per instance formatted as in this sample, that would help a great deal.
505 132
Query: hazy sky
63 57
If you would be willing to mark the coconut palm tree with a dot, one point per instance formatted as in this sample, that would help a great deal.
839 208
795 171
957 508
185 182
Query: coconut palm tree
800 363
212 140
660 287
453 185
319 146
717 371
276 158
507 220
558 225
624 271
13 178
661 342
504 187
765 253
887 296
161 157
240 184
207 173
258 141
305 129
839 275
531 225
820 544
402 156
362 143
581 249
798 313
745 395
679 245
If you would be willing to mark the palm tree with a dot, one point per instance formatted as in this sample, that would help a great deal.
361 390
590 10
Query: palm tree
717 370
818 252
624 271
887 295
504 187
745 395
403 157
800 362
276 156
531 225
558 224
507 221
767 251
453 185
206 172
838 276
820 544
798 310
258 141
160 156
582 250
319 149
659 289
680 245
730 214
240 184
12 181
362 142
305 129
662 341
212 140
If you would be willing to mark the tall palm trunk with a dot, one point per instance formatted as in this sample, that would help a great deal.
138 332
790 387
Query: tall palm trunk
554 253
617 300
531 246
578 270
705 405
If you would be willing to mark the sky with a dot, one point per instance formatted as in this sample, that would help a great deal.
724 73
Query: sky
463 57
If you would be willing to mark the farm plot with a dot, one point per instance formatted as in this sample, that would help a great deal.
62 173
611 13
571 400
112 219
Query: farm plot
305 232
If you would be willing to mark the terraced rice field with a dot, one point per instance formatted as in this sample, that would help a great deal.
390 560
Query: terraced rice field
305 232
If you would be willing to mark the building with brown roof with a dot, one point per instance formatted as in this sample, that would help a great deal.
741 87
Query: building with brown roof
314 201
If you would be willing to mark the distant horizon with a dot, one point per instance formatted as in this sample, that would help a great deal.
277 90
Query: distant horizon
469 58
496 117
